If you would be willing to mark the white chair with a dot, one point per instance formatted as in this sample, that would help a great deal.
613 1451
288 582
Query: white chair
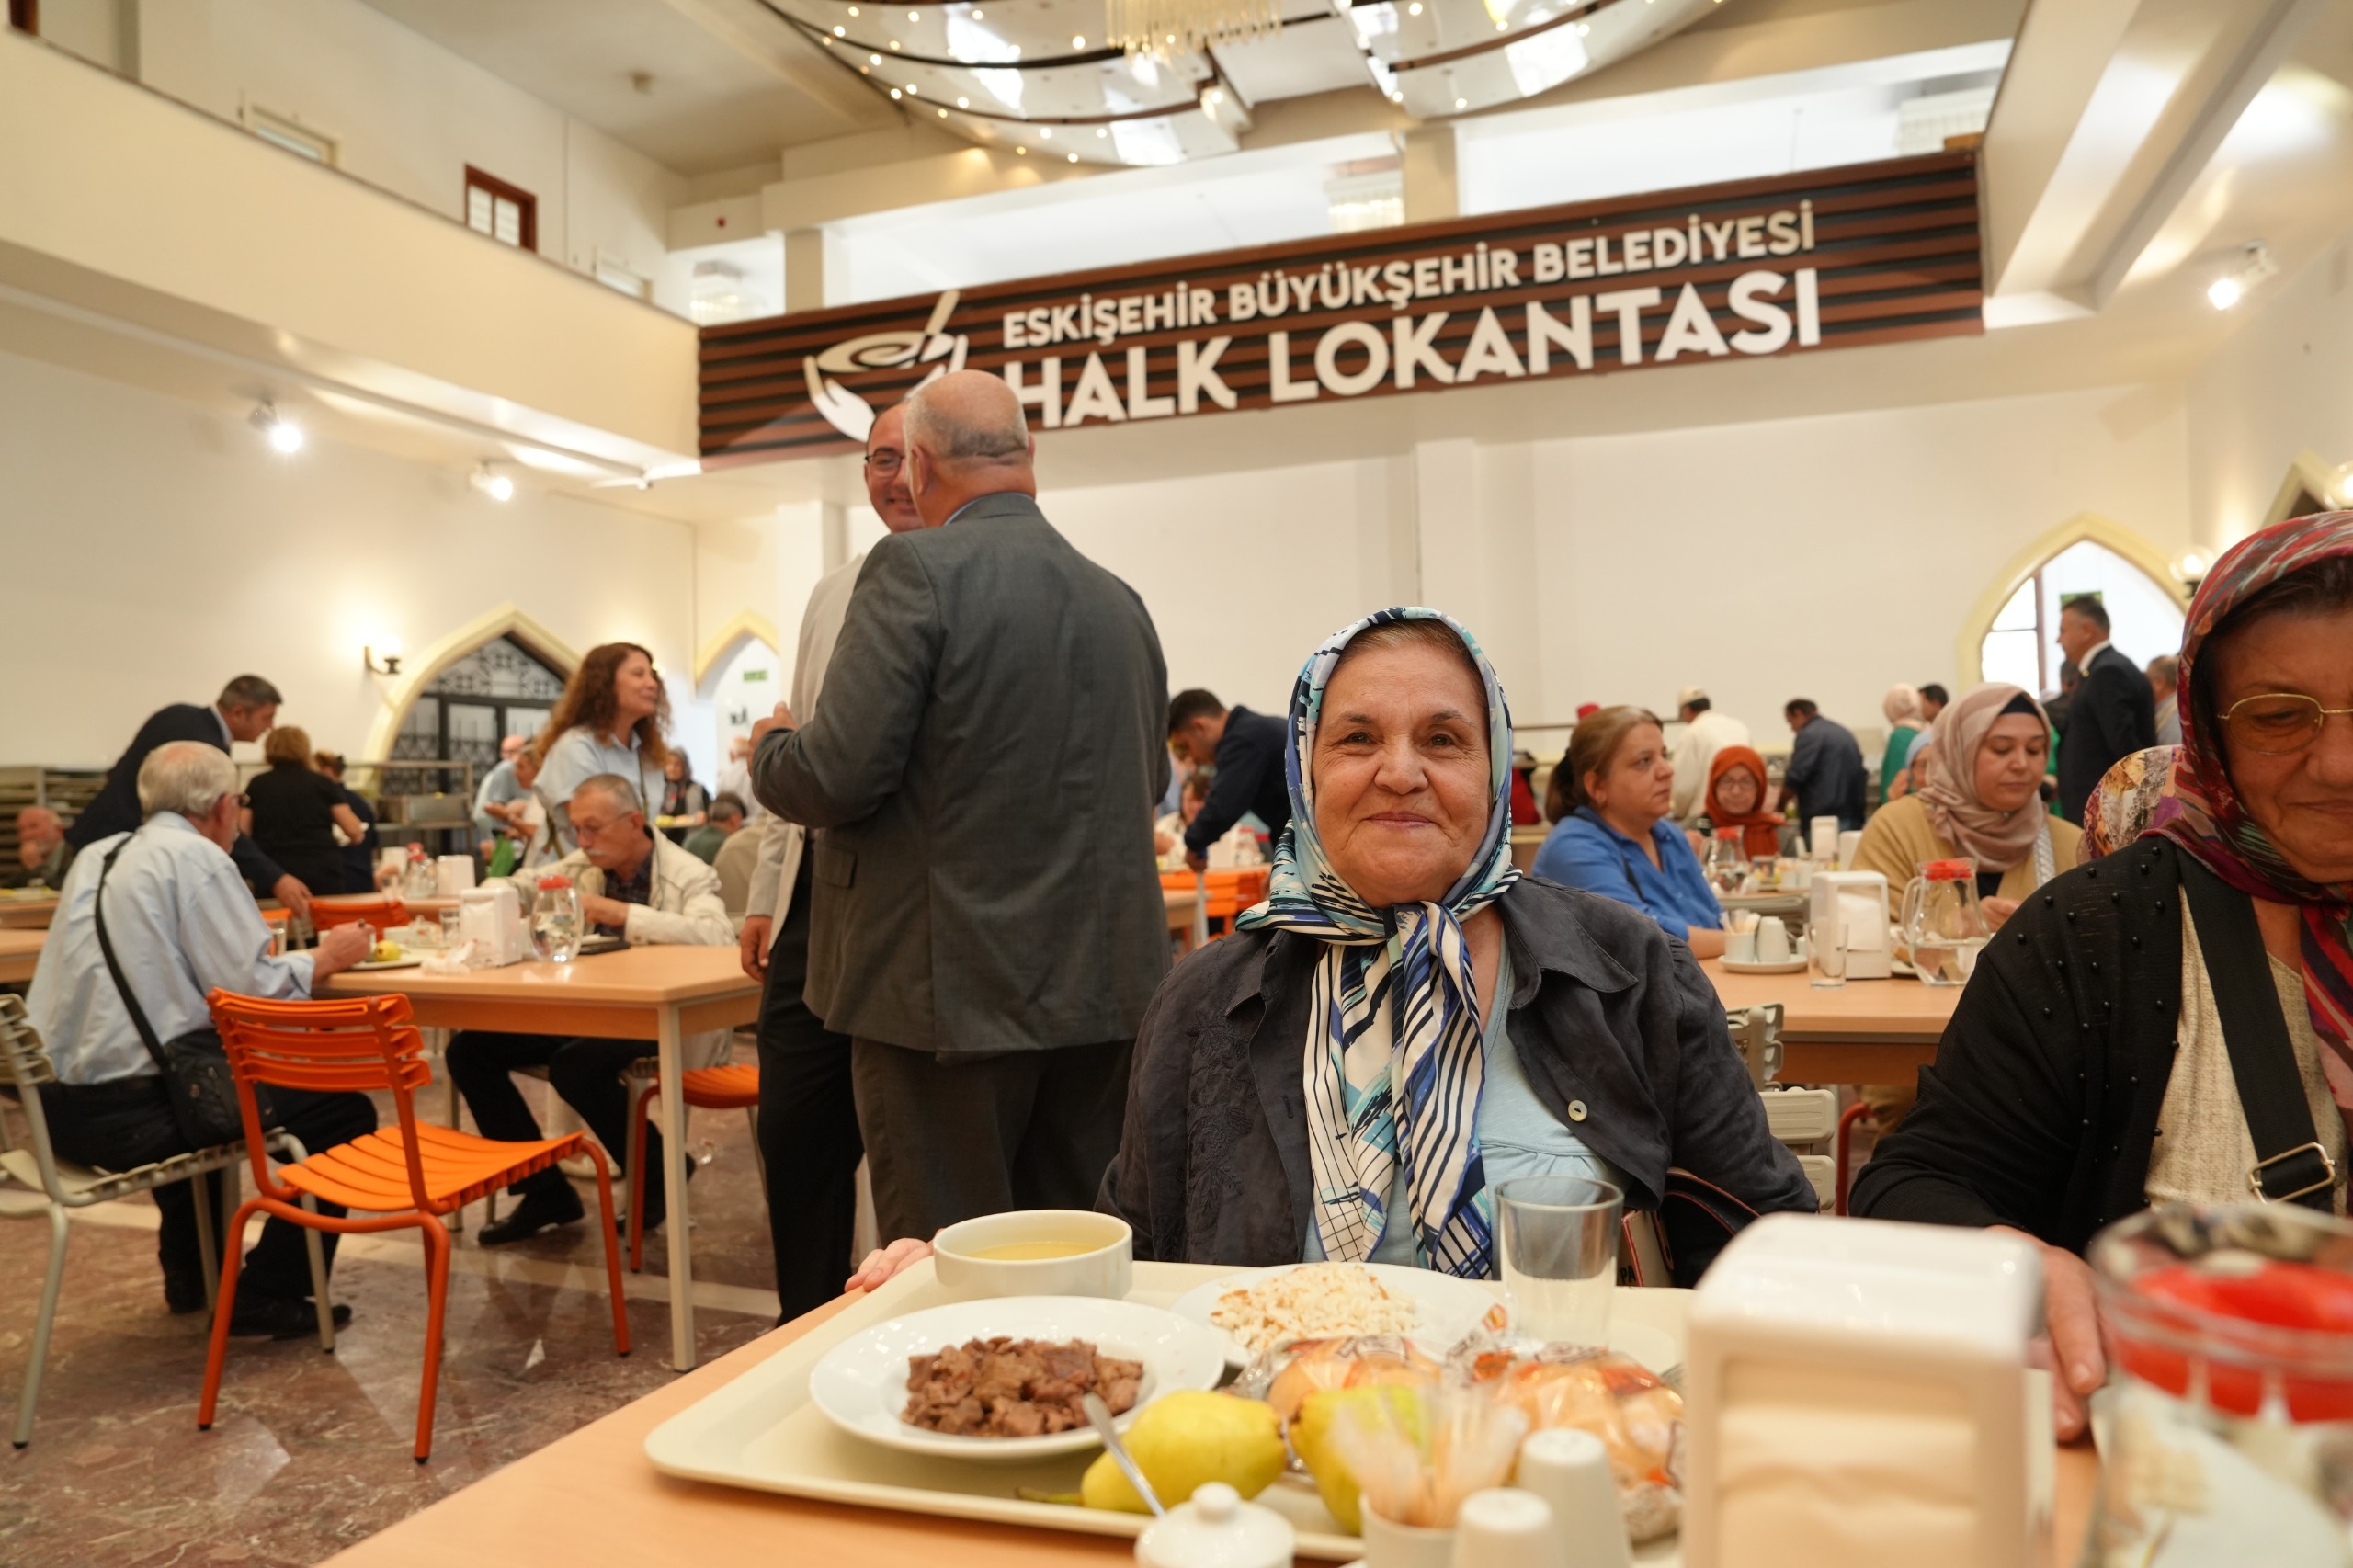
1806 1121
39 1183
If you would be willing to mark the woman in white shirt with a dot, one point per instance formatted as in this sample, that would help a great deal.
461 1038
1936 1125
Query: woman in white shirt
609 720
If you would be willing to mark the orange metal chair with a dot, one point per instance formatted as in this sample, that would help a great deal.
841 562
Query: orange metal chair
732 1087
383 912
1226 893
406 1176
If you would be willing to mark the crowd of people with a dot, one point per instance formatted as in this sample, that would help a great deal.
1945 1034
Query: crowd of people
950 901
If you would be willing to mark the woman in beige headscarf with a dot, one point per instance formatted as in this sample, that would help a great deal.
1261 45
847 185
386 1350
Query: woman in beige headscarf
1982 799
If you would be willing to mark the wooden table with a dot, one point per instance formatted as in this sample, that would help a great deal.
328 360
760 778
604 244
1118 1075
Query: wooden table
593 1500
1181 910
1867 1031
27 914
661 994
19 950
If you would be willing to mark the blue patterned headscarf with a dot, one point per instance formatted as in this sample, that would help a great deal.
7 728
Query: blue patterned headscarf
1394 1004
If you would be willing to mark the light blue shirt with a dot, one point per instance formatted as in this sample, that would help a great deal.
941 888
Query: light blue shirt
1518 1136
1582 851
498 786
183 924
579 754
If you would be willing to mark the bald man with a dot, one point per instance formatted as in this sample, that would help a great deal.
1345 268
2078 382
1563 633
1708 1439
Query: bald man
986 922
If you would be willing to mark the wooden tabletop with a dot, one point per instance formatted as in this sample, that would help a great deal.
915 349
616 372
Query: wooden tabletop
27 914
19 950
632 976
593 1500
1866 1032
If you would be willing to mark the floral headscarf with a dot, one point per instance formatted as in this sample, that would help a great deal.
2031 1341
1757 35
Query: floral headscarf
1393 1064
2203 814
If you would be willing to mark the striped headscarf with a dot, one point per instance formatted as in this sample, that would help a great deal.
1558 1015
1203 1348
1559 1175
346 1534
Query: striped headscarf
1392 1068
2202 813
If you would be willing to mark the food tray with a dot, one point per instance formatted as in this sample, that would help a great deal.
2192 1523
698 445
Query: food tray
762 1432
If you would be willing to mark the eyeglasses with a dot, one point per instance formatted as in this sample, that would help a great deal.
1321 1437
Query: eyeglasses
244 800
885 461
2276 723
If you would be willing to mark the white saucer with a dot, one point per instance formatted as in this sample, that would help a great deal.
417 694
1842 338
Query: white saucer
1788 966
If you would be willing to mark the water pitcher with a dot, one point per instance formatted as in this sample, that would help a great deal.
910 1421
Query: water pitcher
1941 921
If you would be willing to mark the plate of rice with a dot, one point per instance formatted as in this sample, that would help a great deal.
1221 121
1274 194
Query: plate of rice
1257 1309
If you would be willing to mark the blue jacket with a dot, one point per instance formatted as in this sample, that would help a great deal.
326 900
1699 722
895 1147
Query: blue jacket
1583 851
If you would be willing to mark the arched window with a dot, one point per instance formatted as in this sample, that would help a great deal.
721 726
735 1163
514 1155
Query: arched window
2022 648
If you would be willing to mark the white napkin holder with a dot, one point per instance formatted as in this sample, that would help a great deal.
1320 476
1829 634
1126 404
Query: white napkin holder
1858 1393
453 875
491 919
1859 898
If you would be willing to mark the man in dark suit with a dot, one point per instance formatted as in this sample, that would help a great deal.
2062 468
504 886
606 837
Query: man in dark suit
987 926
1247 750
2111 715
246 709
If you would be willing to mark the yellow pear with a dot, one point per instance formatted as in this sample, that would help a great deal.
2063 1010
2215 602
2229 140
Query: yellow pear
1186 1440
1310 1438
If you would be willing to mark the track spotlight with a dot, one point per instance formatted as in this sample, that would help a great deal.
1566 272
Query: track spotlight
2232 286
492 483
282 433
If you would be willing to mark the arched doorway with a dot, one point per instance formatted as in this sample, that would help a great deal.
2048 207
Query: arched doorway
739 677
2011 635
414 700
498 689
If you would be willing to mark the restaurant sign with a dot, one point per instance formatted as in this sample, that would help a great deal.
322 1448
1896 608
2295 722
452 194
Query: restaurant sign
1874 253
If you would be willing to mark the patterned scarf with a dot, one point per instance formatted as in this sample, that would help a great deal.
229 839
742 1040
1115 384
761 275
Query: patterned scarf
2202 813
1392 1064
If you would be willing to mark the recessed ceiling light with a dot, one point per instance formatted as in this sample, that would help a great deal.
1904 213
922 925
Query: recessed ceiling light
1414 10
1462 103
1045 133
874 60
841 32
976 13
943 114
1100 133
853 10
915 17
1584 27
894 43
963 103
1078 41
894 92
1024 151
1074 157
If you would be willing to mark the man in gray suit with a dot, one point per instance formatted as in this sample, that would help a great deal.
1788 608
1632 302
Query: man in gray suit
987 925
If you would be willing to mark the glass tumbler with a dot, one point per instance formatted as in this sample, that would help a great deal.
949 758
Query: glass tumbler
1557 1240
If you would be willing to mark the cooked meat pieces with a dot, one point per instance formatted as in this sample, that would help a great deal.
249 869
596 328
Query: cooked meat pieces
1015 1388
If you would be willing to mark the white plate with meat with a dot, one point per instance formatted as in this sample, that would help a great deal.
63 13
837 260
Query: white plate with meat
1001 1380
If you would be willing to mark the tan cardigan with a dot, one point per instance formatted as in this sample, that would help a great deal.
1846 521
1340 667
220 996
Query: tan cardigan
1899 837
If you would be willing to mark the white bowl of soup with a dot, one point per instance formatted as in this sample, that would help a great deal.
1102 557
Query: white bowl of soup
1036 1251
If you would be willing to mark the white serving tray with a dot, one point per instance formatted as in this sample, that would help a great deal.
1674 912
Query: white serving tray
762 1432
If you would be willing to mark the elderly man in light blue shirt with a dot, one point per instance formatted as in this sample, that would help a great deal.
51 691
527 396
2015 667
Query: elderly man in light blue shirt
499 788
182 925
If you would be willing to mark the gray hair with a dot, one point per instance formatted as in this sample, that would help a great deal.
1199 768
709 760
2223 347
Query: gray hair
249 691
966 434
186 777
614 788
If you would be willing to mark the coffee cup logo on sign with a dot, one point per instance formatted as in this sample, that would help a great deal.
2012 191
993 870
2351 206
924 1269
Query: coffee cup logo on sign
852 414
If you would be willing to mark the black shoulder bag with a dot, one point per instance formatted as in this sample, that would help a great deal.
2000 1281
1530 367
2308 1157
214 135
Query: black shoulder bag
194 1068
2291 1164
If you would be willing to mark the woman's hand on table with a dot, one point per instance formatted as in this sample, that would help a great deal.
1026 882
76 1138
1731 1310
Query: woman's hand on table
1997 910
884 1263
2070 1348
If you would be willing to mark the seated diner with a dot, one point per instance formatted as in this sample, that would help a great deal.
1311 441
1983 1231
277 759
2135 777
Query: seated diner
1611 834
1272 1117
2085 1074
1736 799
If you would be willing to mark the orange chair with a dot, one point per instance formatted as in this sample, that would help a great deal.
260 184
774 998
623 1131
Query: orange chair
381 911
408 1175
1226 893
732 1087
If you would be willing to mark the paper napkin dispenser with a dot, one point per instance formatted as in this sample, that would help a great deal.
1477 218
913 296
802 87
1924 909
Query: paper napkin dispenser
1859 898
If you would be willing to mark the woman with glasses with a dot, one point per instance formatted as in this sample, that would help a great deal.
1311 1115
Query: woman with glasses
2093 1064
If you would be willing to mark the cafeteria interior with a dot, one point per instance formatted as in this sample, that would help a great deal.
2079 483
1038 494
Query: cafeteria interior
413 399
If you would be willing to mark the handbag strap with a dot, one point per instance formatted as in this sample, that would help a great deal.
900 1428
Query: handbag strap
2291 1164
114 966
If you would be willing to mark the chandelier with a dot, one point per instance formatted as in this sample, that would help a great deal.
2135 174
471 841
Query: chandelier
1169 26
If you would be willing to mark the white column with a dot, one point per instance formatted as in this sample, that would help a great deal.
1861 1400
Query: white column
1427 156
811 261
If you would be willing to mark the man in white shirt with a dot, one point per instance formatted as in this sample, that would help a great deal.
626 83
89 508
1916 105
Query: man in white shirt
499 792
633 884
809 1136
736 778
182 923
1705 732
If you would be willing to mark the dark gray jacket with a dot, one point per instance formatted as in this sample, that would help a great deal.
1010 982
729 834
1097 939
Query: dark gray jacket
984 766
1607 1013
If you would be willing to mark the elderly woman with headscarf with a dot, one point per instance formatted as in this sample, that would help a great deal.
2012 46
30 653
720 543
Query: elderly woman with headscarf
1983 800
1407 1021
1736 799
2116 1003
1905 719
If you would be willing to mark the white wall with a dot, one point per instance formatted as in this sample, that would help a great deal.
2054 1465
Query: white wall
156 549
2278 386
407 114
1823 557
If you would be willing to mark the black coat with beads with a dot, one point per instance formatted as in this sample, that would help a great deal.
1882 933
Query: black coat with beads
2041 1109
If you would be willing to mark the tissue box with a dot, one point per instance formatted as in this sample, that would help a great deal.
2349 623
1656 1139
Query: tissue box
1858 1393
1859 898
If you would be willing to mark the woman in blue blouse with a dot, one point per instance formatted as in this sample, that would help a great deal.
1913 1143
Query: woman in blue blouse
1609 800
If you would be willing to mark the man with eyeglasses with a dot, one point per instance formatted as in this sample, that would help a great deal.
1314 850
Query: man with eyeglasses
635 884
809 1137
2113 713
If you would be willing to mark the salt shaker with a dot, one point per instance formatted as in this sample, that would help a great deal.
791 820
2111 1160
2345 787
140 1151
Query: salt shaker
1570 1469
1216 1530
1504 1527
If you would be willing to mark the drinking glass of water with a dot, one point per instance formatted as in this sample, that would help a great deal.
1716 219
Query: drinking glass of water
1558 1241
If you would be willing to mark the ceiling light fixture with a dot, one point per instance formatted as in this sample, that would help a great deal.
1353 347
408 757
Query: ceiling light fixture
1162 28
1045 133
283 433
963 103
492 482
1462 103
894 95
2232 286
841 32
1078 41
1074 157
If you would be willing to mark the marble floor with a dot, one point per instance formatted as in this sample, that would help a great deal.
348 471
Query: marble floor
310 1452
